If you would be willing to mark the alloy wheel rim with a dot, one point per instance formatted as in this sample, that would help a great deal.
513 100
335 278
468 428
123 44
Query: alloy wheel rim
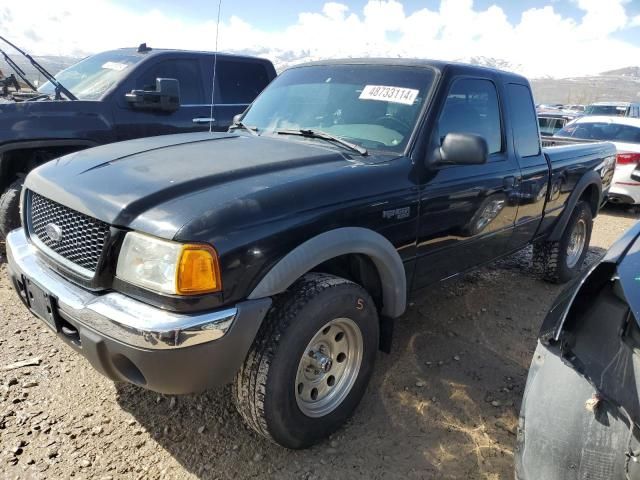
329 367
576 243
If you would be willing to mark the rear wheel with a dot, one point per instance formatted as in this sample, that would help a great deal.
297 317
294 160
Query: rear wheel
561 260
10 208
310 363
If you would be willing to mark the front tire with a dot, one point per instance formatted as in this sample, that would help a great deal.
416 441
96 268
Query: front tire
560 261
10 208
310 363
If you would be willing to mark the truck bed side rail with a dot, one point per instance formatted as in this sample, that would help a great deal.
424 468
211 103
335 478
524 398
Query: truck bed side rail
550 141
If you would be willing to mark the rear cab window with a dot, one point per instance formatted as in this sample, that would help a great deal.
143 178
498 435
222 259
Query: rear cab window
526 138
239 82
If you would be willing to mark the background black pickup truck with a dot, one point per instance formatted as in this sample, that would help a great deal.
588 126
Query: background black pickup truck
120 95
275 256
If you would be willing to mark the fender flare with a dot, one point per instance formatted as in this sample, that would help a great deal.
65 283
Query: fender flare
590 178
331 244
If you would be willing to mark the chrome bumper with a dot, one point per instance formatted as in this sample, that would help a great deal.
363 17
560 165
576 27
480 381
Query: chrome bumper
113 314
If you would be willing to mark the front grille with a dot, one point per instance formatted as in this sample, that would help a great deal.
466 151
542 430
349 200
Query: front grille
82 239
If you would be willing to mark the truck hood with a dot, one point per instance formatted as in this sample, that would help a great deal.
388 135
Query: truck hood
133 184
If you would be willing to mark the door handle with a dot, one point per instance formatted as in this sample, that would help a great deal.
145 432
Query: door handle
201 120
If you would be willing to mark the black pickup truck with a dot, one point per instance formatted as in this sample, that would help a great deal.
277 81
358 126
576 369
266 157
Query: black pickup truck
120 95
277 255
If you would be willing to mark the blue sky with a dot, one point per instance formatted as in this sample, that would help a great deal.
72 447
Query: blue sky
279 14
535 37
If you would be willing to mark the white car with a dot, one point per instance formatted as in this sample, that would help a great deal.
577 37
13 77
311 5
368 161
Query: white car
624 132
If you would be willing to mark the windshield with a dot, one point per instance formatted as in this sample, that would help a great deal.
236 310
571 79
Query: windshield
375 107
606 110
93 76
611 132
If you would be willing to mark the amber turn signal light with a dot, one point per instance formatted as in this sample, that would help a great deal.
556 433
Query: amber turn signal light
198 270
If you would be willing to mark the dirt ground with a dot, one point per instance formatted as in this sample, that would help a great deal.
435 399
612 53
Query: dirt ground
444 404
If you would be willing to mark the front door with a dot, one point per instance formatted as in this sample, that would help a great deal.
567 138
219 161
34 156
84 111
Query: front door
467 212
131 123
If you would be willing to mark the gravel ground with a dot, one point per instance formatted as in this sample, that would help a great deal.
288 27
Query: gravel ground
443 405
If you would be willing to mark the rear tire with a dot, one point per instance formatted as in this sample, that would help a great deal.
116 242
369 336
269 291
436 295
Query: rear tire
274 389
561 260
10 208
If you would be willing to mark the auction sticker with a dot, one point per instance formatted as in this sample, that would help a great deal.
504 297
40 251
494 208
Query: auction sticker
117 66
385 93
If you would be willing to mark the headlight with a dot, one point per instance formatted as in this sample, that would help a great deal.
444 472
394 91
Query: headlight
168 267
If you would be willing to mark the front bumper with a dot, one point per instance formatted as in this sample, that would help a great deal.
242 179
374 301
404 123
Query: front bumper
128 340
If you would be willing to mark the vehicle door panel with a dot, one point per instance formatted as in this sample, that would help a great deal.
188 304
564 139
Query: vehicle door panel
133 123
466 218
466 211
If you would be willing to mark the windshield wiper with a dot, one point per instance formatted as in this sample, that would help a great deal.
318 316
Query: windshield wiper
242 126
18 70
309 133
59 87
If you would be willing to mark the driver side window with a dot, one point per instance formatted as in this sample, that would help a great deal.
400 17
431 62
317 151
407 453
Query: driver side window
186 71
472 107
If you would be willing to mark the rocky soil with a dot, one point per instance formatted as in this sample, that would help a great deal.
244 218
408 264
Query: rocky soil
444 404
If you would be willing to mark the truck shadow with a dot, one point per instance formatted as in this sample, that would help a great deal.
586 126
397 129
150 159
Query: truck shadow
621 211
443 404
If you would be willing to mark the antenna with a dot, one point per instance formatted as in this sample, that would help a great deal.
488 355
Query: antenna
215 64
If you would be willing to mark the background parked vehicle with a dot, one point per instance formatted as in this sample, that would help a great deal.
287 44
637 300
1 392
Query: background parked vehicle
278 255
620 109
549 106
624 133
575 108
550 122
120 95
581 405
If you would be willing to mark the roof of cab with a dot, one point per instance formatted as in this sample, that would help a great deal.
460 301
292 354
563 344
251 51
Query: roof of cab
439 65
160 51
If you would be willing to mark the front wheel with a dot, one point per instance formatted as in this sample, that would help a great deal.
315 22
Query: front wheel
310 363
10 208
561 260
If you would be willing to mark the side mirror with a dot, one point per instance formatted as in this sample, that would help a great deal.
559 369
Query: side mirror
463 149
237 119
165 97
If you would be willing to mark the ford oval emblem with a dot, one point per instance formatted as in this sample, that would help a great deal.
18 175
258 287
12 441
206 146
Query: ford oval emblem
54 232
